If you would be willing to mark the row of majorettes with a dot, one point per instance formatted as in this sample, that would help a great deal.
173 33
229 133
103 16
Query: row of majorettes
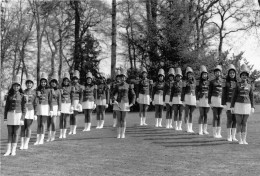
178 96
48 102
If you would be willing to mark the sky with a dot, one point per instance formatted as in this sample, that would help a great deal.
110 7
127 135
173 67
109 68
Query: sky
246 42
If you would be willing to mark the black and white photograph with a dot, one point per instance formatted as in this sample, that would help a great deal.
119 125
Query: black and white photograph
130 87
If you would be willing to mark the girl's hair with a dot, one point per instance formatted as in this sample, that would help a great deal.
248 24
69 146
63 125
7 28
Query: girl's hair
228 79
62 84
40 86
11 90
192 77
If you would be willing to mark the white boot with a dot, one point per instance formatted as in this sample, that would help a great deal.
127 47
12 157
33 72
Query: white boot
176 125
215 132
234 131
144 119
156 122
14 145
26 143
102 124
229 137
71 129
37 140
205 126
240 141
191 130
8 151
167 123
200 129
88 126
41 141
61 132
22 143
53 133
170 122
118 132
160 122
114 124
180 125
219 132
98 124
141 121
123 132
49 136
64 133
187 127
74 129
244 138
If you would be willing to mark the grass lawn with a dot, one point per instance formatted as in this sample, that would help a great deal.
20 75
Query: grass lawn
144 151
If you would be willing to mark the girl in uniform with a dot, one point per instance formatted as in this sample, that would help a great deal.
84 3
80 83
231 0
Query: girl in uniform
175 98
215 93
242 103
189 98
65 104
226 99
159 98
115 106
14 114
124 97
30 115
55 107
168 88
76 101
102 101
88 103
43 99
143 94
202 90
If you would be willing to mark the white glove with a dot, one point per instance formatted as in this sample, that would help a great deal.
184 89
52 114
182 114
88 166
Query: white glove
252 110
225 106
58 113
197 103
71 108
94 106
21 122
137 100
79 107
106 105
164 104
153 102
130 105
115 102
232 110
51 113
35 117
5 121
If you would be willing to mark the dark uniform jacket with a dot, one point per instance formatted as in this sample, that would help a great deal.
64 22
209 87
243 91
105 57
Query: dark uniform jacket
215 88
202 89
124 93
30 99
43 96
176 89
66 94
89 92
15 103
243 93
77 92
168 87
55 98
103 92
188 88
158 88
227 91
144 87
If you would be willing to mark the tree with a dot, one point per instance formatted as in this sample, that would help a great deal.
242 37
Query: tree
113 45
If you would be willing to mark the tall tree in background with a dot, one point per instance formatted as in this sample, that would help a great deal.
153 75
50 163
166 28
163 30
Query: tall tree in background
113 45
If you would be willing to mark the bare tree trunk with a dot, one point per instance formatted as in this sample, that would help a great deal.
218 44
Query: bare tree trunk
129 47
76 35
60 54
113 46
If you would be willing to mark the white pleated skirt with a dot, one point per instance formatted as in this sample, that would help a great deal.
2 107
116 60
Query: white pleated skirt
190 100
176 100
43 110
29 114
158 99
88 105
144 99
115 107
124 106
65 108
203 102
55 110
242 108
102 102
167 99
216 102
14 118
